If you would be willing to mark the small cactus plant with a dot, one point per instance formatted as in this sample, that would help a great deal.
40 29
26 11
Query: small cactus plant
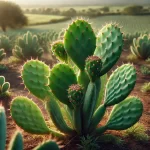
4 86
59 51
141 47
2 54
5 43
27 47
79 91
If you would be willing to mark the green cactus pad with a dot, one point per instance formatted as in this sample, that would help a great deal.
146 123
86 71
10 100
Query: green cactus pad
28 116
120 84
2 128
16 142
56 115
109 46
79 41
5 87
59 51
75 95
125 114
2 80
93 67
61 77
35 75
49 145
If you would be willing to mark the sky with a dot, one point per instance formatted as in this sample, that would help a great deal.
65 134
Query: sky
44 2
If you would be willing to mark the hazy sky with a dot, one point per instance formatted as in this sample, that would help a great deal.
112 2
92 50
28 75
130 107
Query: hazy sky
77 1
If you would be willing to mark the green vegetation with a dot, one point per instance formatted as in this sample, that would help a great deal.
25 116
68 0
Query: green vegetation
145 70
78 96
138 132
35 19
146 87
141 47
27 47
11 15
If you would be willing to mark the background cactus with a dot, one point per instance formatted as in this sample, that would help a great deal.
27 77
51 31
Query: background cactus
141 47
59 86
27 47
2 54
4 86
5 43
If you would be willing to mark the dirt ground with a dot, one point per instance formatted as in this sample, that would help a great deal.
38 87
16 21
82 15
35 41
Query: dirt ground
30 141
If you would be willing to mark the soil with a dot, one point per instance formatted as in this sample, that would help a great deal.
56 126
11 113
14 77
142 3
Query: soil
31 141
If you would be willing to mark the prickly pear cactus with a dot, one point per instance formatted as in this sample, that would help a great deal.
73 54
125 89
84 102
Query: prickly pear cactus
5 43
4 86
27 47
141 46
61 87
2 54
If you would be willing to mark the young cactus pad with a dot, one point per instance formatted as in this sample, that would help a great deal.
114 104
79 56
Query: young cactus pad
79 41
59 51
109 46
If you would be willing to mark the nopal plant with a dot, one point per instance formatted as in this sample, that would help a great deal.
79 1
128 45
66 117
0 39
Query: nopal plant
4 86
141 46
16 142
5 43
79 91
27 47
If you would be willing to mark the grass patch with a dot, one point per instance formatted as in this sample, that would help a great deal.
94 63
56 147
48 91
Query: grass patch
146 88
137 132
35 19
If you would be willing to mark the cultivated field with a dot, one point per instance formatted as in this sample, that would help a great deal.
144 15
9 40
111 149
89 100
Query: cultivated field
42 19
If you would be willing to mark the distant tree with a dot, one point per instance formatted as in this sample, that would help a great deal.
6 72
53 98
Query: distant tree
11 16
133 10
105 9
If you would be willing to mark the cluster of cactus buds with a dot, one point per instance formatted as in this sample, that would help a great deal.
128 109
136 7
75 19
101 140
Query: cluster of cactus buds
4 86
141 46
78 91
27 47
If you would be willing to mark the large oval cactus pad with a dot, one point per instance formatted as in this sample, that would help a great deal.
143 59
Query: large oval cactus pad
109 46
28 116
35 76
120 84
125 114
61 77
79 41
